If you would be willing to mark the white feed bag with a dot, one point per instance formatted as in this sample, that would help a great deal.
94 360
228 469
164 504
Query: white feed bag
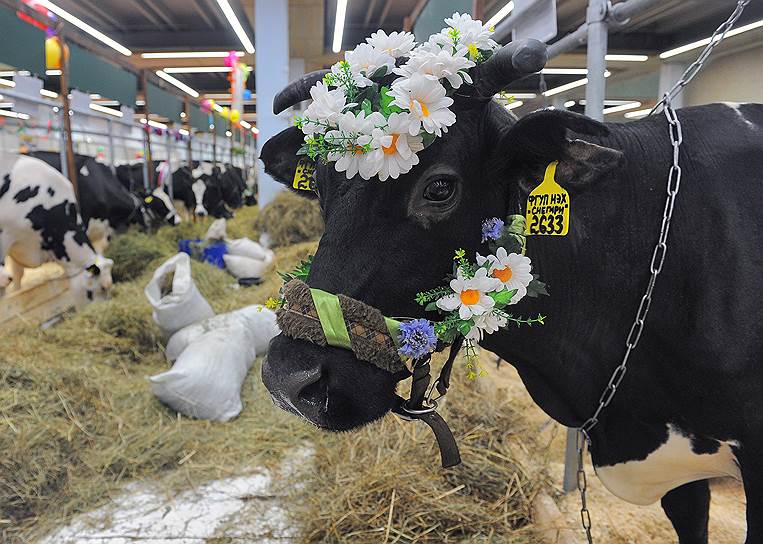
244 247
244 267
172 293
206 380
217 230
260 322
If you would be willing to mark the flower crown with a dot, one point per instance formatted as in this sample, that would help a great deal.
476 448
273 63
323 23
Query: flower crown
367 128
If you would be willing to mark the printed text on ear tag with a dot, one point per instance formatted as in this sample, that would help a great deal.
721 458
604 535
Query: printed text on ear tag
548 207
304 175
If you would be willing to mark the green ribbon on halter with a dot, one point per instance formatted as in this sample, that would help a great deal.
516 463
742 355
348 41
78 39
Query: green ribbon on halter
331 318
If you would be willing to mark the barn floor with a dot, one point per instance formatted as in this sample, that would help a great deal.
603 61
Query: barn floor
615 521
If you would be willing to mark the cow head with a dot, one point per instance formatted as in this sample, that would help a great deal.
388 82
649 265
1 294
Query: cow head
98 280
160 205
386 241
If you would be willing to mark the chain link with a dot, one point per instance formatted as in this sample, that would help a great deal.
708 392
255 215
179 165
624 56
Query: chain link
583 437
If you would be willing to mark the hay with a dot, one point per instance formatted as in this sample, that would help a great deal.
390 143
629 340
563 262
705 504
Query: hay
78 421
386 479
133 254
290 219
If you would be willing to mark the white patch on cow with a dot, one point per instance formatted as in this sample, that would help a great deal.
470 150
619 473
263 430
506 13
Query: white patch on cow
84 171
671 465
199 188
204 168
737 108
165 198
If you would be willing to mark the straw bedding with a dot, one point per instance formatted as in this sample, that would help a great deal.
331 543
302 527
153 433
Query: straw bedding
77 422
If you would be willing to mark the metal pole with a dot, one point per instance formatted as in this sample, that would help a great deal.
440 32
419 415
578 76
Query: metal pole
170 146
71 169
148 160
597 50
109 124
62 146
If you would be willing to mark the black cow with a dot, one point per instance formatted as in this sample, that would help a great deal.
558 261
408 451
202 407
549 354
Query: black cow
689 407
101 194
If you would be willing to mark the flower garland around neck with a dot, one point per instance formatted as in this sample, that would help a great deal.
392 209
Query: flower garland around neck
476 300
366 128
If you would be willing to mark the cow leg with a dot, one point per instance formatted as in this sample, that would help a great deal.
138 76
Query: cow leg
688 509
17 272
751 462
5 278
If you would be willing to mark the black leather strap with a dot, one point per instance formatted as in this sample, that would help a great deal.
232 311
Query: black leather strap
449 454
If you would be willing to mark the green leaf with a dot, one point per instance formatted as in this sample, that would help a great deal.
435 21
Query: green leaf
465 326
366 106
502 298
536 288
380 72
428 138
431 307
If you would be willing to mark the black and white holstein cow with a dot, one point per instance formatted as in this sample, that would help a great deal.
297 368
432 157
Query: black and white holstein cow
689 407
207 189
40 222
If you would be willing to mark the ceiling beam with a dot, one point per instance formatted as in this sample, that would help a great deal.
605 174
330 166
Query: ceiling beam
370 12
161 14
385 12
202 13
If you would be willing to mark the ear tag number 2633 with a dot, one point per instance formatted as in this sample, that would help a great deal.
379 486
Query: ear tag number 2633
548 207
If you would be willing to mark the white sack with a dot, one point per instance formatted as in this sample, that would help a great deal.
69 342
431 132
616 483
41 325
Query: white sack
206 380
260 322
244 247
217 230
182 304
244 267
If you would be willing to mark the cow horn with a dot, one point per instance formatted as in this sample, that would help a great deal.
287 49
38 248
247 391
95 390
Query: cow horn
297 91
513 61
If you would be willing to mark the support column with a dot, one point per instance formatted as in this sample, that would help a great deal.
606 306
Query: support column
670 74
596 18
272 73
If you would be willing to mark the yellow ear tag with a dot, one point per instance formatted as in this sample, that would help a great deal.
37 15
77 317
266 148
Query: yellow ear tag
149 199
304 175
548 207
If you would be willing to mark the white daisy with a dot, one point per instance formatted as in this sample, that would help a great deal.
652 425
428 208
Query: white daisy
425 99
485 323
395 153
365 61
470 294
354 133
511 269
471 34
396 44
436 63
326 106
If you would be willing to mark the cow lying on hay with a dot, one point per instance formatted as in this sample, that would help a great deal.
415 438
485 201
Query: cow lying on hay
40 222
688 409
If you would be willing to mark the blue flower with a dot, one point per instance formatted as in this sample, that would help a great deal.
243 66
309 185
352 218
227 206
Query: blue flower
417 338
492 229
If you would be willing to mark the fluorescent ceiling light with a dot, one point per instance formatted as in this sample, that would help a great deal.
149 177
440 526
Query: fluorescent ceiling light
236 24
7 73
82 25
198 70
569 103
190 55
572 85
184 132
154 124
52 72
228 133
140 102
177 83
255 130
627 58
14 115
49 94
500 15
515 105
702 43
610 102
565 71
6 104
245 124
218 108
7 83
108 103
95 96
109 111
622 107
523 96
341 11
637 114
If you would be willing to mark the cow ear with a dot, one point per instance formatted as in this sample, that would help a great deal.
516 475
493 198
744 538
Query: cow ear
552 135
297 172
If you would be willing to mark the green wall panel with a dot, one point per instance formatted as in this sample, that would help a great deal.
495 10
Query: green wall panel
22 46
164 103
431 19
90 73
199 120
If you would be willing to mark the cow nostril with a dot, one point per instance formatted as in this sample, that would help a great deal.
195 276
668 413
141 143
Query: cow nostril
315 394
301 381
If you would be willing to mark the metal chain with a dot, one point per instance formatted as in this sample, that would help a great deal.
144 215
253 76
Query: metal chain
583 437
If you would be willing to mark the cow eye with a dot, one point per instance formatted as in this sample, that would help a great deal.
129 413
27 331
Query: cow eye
439 190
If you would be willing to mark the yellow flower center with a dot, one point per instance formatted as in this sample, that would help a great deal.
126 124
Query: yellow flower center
424 109
470 297
503 274
391 148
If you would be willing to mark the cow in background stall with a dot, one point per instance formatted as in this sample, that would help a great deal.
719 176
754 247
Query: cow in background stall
202 190
40 222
